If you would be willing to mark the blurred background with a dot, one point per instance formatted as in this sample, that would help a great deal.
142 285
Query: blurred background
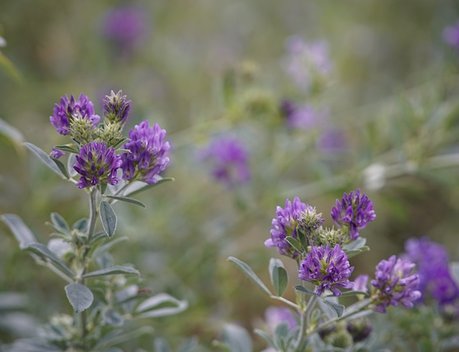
262 100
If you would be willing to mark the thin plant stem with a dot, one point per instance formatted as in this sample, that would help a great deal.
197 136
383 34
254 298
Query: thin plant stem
304 320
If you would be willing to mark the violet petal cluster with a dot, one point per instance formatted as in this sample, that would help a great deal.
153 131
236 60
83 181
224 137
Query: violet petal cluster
117 107
97 164
432 264
395 284
71 108
229 160
276 315
355 211
148 153
327 268
451 35
285 224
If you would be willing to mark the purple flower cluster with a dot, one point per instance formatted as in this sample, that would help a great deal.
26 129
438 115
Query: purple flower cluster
147 154
432 263
275 316
97 164
285 224
126 27
327 268
117 107
451 35
355 211
229 159
70 108
395 283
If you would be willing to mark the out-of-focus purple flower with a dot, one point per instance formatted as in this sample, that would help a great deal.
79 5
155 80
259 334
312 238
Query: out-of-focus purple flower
327 268
126 27
305 61
70 108
354 210
302 117
56 153
117 107
332 140
276 315
451 35
360 283
97 164
395 283
286 223
433 267
148 153
229 159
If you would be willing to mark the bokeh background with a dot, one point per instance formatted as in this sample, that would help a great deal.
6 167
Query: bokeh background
383 90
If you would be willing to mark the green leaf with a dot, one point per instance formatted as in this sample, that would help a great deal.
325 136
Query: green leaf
278 275
81 225
237 338
79 296
61 167
106 246
353 293
43 252
292 241
137 187
20 230
250 273
11 132
116 337
338 308
304 290
69 148
150 307
108 218
355 245
265 336
113 270
70 163
112 317
127 200
45 159
59 223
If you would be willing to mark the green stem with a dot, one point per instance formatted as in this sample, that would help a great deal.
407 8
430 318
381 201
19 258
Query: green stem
92 213
304 320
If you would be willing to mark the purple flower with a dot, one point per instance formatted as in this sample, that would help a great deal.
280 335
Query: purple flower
327 268
332 140
432 262
395 283
287 222
148 154
117 107
305 62
229 160
354 210
451 35
302 117
126 27
97 164
56 153
68 109
360 283
275 316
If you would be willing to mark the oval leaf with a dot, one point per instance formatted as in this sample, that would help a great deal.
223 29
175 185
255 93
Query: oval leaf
304 290
20 230
113 270
127 200
79 296
45 159
108 218
59 223
278 275
43 251
149 307
250 273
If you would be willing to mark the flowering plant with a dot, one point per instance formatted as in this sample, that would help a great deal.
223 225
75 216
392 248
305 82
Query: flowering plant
322 256
105 297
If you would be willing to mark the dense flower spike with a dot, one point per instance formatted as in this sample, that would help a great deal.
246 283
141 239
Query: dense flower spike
355 211
288 221
451 35
117 107
69 109
432 264
394 284
229 160
327 268
97 164
147 155
276 315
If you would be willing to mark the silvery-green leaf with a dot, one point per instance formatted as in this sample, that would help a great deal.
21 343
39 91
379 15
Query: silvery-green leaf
296 244
70 163
137 187
237 338
304 290
127 200
116 337
59 223
61 167
69 148
20 230
11 132
160 305
355 245
45 159
108 218
79 296
112 317
81 225
338 308
42 251
265 336
250 273
161 345
278 275
113 270
59 247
